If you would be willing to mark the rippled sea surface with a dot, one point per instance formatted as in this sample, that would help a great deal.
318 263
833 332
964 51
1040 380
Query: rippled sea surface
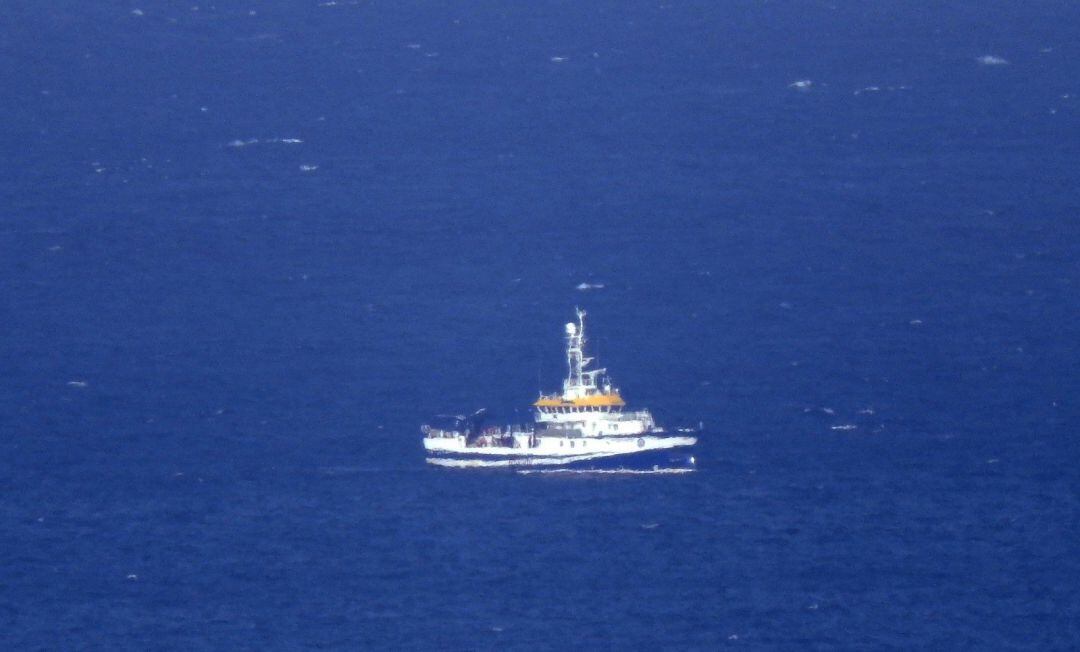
246 250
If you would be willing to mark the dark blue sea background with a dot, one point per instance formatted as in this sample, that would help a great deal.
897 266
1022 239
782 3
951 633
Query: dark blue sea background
247 249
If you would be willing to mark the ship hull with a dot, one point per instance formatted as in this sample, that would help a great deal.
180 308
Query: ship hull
675 455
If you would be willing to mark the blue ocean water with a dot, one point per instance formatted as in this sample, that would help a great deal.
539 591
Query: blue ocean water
246 249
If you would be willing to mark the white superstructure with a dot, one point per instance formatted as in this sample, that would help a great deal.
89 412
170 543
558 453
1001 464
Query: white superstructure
588 402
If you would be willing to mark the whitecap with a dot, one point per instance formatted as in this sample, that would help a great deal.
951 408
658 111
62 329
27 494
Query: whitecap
255 141
308 167
77 383
558 59
801 85
992 60
845 427
590 286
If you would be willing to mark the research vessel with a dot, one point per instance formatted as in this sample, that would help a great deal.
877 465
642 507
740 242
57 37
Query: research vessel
586 427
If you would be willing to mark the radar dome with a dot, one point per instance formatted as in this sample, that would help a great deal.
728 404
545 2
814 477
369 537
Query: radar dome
571 329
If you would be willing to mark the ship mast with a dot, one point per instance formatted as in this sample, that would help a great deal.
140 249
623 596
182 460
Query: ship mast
584 390
578 382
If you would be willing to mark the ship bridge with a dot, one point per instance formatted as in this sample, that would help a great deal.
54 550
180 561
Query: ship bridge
585 391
